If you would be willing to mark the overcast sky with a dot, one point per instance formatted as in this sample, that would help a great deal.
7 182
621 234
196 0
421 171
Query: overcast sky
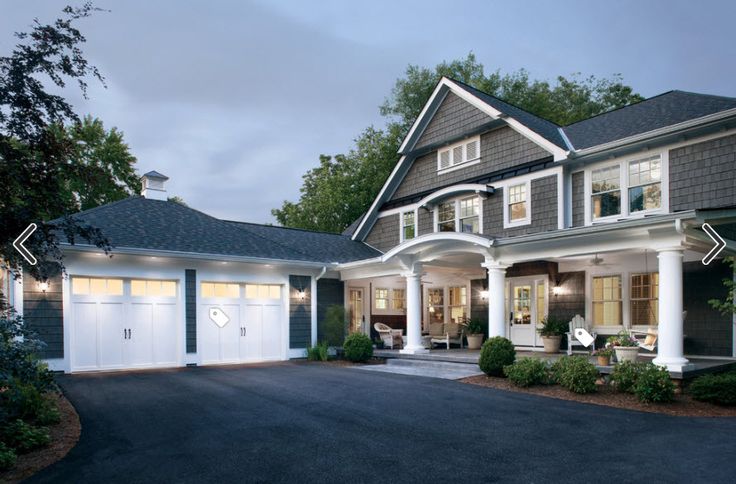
235 100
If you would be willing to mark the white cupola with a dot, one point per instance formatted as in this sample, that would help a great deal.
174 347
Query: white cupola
152 185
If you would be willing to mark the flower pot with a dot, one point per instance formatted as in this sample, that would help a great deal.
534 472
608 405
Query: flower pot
551 343
626 353
474 341
604 360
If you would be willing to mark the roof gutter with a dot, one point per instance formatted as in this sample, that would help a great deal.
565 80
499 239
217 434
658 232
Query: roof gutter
194 255
711 118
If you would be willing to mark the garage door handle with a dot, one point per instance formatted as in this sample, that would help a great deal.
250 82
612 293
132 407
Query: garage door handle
242 331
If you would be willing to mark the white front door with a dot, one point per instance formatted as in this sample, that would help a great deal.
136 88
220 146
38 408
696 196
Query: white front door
522 326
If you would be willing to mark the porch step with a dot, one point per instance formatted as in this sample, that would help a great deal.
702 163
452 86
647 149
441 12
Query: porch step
432 369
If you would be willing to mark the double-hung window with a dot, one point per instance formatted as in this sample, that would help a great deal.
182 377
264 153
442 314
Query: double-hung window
458 304
446 217
469 215
644 298
408 225
398 300
381 298
436 309
607 301
606 192
517 203
645 184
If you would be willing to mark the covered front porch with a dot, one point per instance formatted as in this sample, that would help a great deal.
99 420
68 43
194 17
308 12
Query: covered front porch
632 275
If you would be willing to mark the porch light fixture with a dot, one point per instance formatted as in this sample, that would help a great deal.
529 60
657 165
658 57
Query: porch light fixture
43 286
557 290
301 295
484 294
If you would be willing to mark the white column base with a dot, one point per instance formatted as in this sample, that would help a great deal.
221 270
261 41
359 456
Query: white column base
674 364
414 350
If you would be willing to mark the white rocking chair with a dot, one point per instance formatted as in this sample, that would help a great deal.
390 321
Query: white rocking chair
578 322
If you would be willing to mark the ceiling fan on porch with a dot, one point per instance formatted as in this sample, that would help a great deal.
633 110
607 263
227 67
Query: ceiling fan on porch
597 262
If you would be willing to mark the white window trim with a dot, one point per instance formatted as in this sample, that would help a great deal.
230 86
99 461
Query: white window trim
507 223
401 224
639 327
456 201
625 316
466 162
623 164
445 287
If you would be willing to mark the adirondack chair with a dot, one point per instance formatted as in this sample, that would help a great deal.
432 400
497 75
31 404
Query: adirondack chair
578 322
388 335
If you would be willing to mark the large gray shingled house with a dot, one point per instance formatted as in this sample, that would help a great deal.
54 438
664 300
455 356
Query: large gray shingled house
490 212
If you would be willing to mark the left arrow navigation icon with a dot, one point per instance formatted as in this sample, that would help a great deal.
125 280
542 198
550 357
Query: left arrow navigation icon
18 244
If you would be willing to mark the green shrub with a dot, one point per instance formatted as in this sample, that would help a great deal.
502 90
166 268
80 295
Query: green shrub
335 325
653 384
24 437
7 457
625 375
358 347
318 352
719 389
496 353
527 372
575 373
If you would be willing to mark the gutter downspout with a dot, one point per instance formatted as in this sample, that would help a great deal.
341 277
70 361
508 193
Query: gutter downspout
321 273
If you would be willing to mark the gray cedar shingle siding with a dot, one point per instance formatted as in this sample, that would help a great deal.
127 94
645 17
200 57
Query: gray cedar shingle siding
544 210
300 311
703 175
578 199
426 222
500 149
572 300
385 233
707 331
478 305
453 119
43 313
190 309
330 292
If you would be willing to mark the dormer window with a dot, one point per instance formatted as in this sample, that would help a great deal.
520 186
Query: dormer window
452 156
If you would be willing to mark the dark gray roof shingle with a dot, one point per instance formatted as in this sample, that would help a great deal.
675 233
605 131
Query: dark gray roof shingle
143 223
656 112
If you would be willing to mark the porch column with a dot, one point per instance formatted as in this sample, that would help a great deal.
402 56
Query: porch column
496 299
414 312
670 340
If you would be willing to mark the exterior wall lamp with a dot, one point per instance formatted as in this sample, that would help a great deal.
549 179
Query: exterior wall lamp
557 290
43 286
484 295
301 295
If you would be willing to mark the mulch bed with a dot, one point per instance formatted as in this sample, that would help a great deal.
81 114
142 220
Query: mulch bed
683 406
64 437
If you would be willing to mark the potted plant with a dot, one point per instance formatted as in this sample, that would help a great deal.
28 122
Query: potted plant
604 355
625 346
474 333
551 330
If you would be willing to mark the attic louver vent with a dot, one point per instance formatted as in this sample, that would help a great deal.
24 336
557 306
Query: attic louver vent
471 150
444 159
458 154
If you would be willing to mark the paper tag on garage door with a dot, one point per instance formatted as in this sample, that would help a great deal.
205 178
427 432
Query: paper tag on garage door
219 317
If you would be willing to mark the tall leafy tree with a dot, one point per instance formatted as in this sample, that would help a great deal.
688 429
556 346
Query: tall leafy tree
38 167
360 174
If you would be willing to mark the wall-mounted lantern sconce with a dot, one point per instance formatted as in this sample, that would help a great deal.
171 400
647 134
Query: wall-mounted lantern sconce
557 290
484 295
301 295
43 286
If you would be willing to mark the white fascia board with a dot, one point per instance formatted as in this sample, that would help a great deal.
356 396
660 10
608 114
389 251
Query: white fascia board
379 198
440 90
195 255
651 135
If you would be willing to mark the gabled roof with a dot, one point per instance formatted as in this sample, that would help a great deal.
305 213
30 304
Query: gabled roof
666 109
141 223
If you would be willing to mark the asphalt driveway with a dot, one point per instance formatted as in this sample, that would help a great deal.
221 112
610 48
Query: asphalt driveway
298 422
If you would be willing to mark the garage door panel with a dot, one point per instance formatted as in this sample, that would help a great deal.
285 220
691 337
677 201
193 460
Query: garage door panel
164 334
110 327
252 322
209 336
271 330
230 333
84 349
140 344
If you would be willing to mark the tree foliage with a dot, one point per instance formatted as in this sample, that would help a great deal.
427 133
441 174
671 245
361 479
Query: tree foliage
727 306
40 166
343 186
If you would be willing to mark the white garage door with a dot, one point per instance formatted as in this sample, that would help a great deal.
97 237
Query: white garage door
121 323
240 323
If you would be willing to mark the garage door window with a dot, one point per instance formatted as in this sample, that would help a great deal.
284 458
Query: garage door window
82 286
140 288
220 289
262 291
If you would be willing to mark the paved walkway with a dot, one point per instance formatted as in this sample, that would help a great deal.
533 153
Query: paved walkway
312 422
432 369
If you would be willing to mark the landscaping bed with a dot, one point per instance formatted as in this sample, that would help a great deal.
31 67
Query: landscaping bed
64 437
683 404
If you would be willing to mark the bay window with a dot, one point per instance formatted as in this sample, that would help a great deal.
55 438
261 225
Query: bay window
607 300
645 184
606 192
644 298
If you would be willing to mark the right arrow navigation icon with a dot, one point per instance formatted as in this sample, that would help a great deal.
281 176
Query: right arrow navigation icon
720 244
